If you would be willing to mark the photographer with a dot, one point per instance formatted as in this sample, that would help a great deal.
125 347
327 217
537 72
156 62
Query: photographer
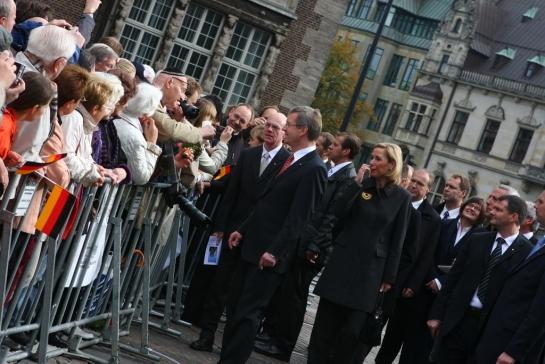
173 85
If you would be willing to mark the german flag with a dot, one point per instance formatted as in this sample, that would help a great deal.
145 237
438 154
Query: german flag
224 171
55 212
30 167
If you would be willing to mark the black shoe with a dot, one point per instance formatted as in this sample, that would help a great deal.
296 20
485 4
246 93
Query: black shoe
203 344
263 337
271 350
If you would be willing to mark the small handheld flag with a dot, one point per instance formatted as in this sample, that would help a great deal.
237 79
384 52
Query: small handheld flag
55 212
30 167
224 171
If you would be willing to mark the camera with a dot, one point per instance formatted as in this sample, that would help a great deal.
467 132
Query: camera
190 111
177 194
19 70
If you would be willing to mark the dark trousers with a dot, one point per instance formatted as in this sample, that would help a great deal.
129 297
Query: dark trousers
407 328
457 347
335 335
250 293
218 292
286 311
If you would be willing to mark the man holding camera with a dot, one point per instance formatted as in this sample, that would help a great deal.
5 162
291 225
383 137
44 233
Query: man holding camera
173 85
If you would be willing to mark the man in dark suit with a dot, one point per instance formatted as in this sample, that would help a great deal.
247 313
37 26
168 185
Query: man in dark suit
515 330
269 236
475 280
254 170
286 311
455 191
407 326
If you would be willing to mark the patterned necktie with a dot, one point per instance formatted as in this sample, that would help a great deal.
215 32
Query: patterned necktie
445 215
536 247
286 165
494 258
264 162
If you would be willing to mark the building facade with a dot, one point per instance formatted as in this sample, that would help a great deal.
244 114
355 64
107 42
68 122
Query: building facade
405 41
265 52
479 102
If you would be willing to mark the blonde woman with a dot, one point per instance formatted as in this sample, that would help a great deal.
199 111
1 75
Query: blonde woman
365 258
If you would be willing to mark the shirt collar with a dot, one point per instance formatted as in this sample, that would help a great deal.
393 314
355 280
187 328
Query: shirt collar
509 240
338 167
528 235
272 152
416 204
302 152
452 214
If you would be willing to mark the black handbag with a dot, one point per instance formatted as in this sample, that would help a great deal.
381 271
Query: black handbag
372 331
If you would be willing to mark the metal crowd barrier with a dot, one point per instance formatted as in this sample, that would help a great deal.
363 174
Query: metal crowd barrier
125 252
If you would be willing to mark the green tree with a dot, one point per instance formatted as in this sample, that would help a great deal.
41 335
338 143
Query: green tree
337 85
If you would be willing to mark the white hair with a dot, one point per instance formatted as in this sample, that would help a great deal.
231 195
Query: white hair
115 84
532 214
145 102
510 190
102 52
50 42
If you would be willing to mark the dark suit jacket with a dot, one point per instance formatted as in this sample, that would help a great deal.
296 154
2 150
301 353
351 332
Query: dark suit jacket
315 238
446 251
245 185
368 248
284 207
517 320
428 237
439 208
466 274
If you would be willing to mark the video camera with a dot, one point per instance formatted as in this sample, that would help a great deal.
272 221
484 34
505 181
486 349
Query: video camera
190 111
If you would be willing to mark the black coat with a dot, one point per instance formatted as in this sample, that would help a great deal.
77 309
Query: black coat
245 185
315 238
279 216
368 248
466 274
517 320
446 251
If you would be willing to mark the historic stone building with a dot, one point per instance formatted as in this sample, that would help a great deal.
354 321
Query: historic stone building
258 51
405 41
479 102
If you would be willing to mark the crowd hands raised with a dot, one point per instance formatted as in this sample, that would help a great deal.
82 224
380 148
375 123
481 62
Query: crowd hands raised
462 282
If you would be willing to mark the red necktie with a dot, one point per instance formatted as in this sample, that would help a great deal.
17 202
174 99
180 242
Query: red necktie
286 165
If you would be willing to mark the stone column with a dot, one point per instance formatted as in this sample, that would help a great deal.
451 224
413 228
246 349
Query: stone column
266 70
173 28
123 13
219 52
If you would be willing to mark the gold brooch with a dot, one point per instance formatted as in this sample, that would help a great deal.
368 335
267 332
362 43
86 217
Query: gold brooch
366 196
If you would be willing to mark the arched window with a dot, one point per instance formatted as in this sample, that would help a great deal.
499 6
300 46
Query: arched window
457 26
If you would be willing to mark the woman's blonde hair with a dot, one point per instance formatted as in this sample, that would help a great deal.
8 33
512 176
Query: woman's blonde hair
98 92
207 111
394 154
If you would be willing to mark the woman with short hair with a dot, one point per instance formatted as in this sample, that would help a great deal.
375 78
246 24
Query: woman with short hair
138 134
373 218
100 97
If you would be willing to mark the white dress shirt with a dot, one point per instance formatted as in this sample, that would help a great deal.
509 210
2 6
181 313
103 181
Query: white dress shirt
461 232
452 214
475 301
272 152
416 204
336 168
302 152
528 235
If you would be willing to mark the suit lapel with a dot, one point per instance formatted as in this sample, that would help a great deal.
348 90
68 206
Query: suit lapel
488 246
517 244
278 160
539 253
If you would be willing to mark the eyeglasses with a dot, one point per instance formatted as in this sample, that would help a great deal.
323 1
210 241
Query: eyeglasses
293 124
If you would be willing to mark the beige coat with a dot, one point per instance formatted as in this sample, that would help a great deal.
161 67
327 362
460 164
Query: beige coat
171 130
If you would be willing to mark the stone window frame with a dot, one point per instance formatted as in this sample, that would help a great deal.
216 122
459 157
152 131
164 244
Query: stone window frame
455 139
249 73
487 130
519 150
409 74
379 110
392 119
416 116
192 48
143 32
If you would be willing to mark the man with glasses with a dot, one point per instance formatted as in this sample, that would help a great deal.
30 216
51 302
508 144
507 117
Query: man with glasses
173 85
269 237
253 172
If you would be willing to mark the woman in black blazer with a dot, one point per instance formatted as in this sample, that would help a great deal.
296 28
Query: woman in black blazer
373 216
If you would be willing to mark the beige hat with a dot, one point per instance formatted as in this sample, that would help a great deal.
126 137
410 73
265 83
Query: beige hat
125 65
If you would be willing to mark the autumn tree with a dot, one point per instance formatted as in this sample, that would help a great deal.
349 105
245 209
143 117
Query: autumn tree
337 85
